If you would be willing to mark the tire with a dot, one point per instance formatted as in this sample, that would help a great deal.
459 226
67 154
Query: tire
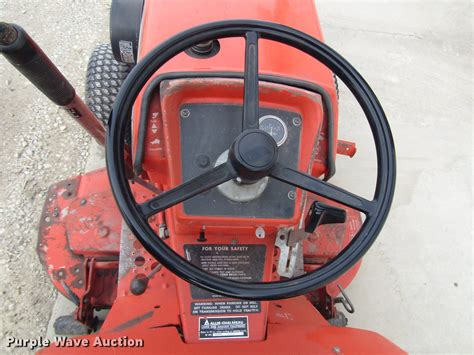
104 78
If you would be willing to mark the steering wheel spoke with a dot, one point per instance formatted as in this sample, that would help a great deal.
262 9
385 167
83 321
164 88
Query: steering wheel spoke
322 188
191 188
250 111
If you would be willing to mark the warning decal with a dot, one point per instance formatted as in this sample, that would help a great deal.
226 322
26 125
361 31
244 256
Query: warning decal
223 327
225 307
240 262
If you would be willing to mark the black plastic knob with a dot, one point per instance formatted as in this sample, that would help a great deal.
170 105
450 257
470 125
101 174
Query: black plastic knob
253 154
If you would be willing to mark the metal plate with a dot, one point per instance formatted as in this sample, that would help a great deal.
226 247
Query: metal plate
240 262
223 327
207 130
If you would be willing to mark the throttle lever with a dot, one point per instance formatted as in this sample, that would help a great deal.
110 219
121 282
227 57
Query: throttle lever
321 213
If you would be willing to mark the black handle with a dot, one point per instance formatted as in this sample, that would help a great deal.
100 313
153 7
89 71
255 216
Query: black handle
25 55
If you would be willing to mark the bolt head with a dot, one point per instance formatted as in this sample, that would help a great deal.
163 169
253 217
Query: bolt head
297 121
185 113
292 195
203 161
260 233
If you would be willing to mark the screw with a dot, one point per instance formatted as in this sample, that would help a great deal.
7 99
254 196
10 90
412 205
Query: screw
297 121
336 350
56 212
203 161
260 233
292 195
83 202
185 113
47 219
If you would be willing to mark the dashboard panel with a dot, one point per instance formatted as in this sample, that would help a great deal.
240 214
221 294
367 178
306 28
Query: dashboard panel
207 130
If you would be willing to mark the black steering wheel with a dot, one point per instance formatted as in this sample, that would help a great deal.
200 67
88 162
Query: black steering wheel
253 155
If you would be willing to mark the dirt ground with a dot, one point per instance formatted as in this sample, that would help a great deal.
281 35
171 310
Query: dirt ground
39 145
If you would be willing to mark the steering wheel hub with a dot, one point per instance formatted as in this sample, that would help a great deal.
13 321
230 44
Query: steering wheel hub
253 155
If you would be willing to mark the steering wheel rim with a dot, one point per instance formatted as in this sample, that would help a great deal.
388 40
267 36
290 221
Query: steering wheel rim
134 218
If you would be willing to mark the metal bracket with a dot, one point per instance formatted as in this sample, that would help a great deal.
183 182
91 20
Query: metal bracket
163 232
344 300
84 312
290 242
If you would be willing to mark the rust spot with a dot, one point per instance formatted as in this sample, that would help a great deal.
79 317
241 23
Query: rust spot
45 213
103 231
132 322
137 244
69 187
165 85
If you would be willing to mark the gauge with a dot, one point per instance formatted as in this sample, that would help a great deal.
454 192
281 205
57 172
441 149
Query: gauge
275 127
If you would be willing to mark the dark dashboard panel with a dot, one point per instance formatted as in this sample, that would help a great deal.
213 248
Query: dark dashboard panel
207 130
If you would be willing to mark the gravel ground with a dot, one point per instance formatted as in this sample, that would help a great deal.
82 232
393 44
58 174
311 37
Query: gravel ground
39 145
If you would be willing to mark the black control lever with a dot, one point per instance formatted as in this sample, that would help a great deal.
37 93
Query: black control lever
321 213
28 58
